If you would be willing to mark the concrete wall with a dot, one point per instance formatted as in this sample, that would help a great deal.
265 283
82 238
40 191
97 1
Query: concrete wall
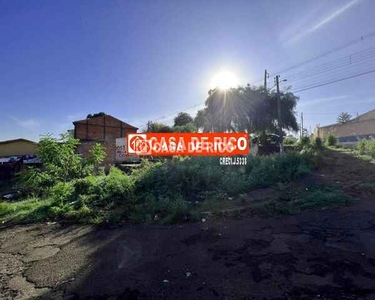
361 129
18 148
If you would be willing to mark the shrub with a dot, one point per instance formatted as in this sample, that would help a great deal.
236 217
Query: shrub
267 171
366 147
5 209
61 163
162 210
161 191
61 192
370 149
289 141
291 167
182 175
304 141
318 143
331 140
33 181
233 183
116 186
323 197
362 146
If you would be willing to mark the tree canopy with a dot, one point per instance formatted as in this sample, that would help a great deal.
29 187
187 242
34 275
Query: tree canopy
158 127
99 114
182 119
344 117
200 119
251 109
163 128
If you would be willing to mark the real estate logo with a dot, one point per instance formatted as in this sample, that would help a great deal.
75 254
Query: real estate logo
197 144
138 144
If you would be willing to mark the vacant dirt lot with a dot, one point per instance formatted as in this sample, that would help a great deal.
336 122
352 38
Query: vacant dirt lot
328 254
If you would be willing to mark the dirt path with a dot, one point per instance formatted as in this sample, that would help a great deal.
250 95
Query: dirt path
354 176
326 254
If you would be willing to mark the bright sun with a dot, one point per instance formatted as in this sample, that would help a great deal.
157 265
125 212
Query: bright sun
224 80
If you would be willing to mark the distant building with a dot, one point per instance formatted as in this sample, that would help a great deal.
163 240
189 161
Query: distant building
101 129
18 147
361 127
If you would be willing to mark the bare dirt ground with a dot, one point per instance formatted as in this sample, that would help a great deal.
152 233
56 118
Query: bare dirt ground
327 254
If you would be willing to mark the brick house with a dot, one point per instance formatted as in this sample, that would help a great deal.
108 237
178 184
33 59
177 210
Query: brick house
361 127
104 130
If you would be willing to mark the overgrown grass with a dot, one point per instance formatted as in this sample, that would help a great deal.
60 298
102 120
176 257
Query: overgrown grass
162 192
319 197
355 152
29 210
366 147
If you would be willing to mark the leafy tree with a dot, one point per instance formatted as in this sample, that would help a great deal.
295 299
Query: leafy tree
331 140
61 162
182 119
100 114
158 127
343 118
200 119
190 127
251 109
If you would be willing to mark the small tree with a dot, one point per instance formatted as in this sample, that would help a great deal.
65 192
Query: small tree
182 119
61 163
343 118
331 140
190 127
318 143
158 127
304 141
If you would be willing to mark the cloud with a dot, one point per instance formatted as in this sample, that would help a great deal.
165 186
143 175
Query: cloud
324 21
364 101
334 15
323 100
30 124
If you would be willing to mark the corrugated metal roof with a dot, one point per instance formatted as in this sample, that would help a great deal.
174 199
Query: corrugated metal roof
17 140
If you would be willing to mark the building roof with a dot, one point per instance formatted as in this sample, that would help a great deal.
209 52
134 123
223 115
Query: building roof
17 140
363 117
366 116
124 124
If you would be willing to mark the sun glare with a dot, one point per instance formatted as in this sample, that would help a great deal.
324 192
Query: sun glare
224 80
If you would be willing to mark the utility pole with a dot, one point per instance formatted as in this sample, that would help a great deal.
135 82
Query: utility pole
148 126
277 78
266 75
301 124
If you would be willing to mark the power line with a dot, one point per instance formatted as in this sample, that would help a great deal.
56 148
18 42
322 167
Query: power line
327 113
172 114
344 46
346 60
334 50
331 76
333 81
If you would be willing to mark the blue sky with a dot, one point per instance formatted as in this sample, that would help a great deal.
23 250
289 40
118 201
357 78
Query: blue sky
140 60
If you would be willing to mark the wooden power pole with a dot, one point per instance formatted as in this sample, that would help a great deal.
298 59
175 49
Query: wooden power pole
302 124
265 79
277 78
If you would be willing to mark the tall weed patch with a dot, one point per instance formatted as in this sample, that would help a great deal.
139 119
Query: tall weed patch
366 147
